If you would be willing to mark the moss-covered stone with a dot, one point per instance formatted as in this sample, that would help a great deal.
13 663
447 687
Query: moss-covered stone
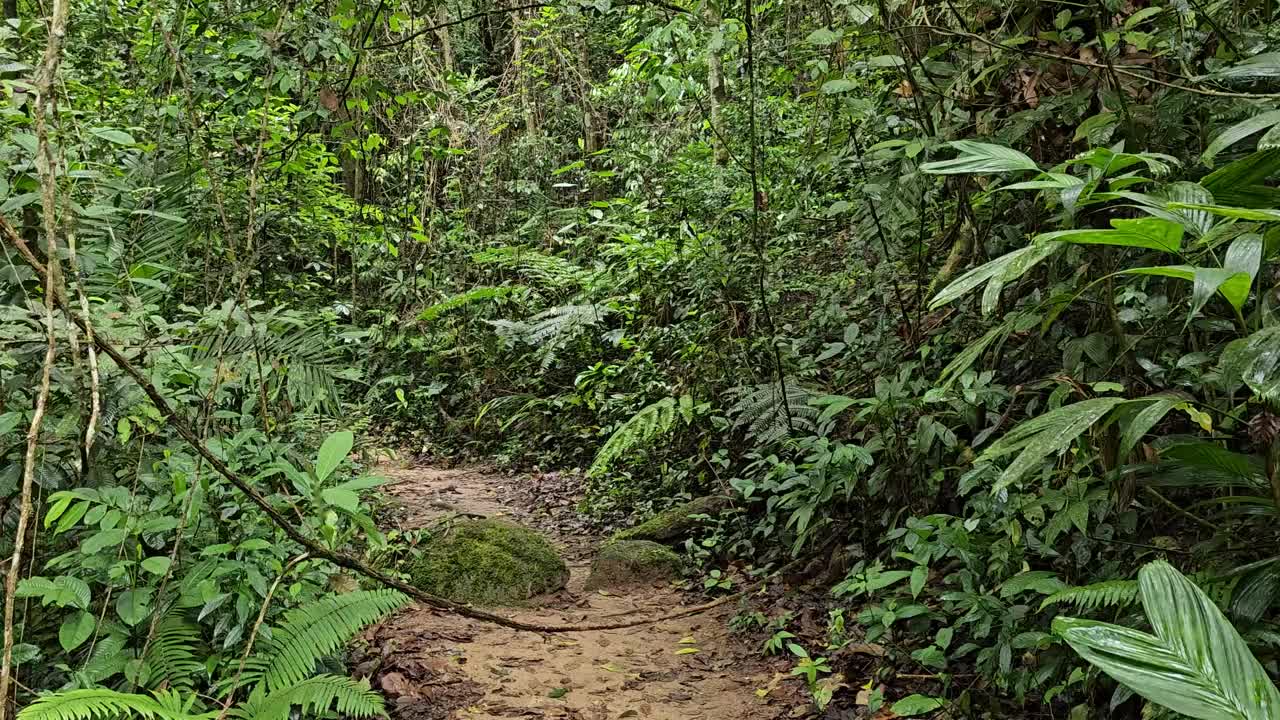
628 562
489 562
675 523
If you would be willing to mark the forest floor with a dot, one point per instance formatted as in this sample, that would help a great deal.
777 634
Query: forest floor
435 666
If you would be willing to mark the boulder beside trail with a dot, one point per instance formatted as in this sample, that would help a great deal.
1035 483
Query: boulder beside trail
488 562
620 563
675 523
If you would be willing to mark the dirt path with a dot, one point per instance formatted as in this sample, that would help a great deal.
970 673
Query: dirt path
441 666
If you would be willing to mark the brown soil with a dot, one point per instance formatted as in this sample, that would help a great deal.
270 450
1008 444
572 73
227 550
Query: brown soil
440 666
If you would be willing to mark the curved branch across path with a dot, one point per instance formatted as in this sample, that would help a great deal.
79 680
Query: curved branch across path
183 428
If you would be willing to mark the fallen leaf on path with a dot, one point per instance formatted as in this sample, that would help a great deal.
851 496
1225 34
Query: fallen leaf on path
557 693
687 651
773 685
687 640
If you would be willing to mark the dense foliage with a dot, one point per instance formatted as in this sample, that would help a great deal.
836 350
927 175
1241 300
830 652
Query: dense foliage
978 298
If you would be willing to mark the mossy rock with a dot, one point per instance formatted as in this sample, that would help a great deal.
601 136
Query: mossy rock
629 562
675 523
489 562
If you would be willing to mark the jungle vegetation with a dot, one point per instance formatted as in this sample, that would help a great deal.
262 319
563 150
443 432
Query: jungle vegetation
979 296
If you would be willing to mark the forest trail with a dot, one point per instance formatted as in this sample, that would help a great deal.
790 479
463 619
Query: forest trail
439 666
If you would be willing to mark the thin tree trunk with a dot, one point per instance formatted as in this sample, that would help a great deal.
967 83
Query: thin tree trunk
592 132
446 43
522 80
52 286
715 83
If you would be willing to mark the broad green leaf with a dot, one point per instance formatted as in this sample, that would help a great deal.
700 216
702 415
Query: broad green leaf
59 502
1262 65
345 499
1053 181
1238 132
1004 269
976 157
104 539
917 704
119 137
1133 428
335 449
919 574
1245 255
838 86
364 482
62 591
1045 435
75 629
1234 286
71 517
1195 663
1043 582
1241 183
823 36
1152 233
1239 213
1253 361
157 565
133 605
832 405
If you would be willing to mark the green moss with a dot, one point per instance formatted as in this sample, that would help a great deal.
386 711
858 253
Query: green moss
627 562
675 523
489 562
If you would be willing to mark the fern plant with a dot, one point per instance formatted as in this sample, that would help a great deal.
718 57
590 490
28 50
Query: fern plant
469 297
650 422
552 330
101 703
310 633
1109 593
768 414
279 672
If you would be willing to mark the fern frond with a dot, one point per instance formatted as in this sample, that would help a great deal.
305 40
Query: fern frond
544 270
172 659
1110 593
108 658
763 410
552 329
99 703
310 633
651 421
349 697
474 295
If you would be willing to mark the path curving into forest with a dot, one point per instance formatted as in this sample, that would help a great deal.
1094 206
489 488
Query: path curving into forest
434 665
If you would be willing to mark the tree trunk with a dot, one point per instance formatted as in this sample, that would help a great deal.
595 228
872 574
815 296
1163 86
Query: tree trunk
527 105
592 124
446 43
715 83
11 9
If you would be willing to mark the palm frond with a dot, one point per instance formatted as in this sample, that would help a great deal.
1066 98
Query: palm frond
1045 435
